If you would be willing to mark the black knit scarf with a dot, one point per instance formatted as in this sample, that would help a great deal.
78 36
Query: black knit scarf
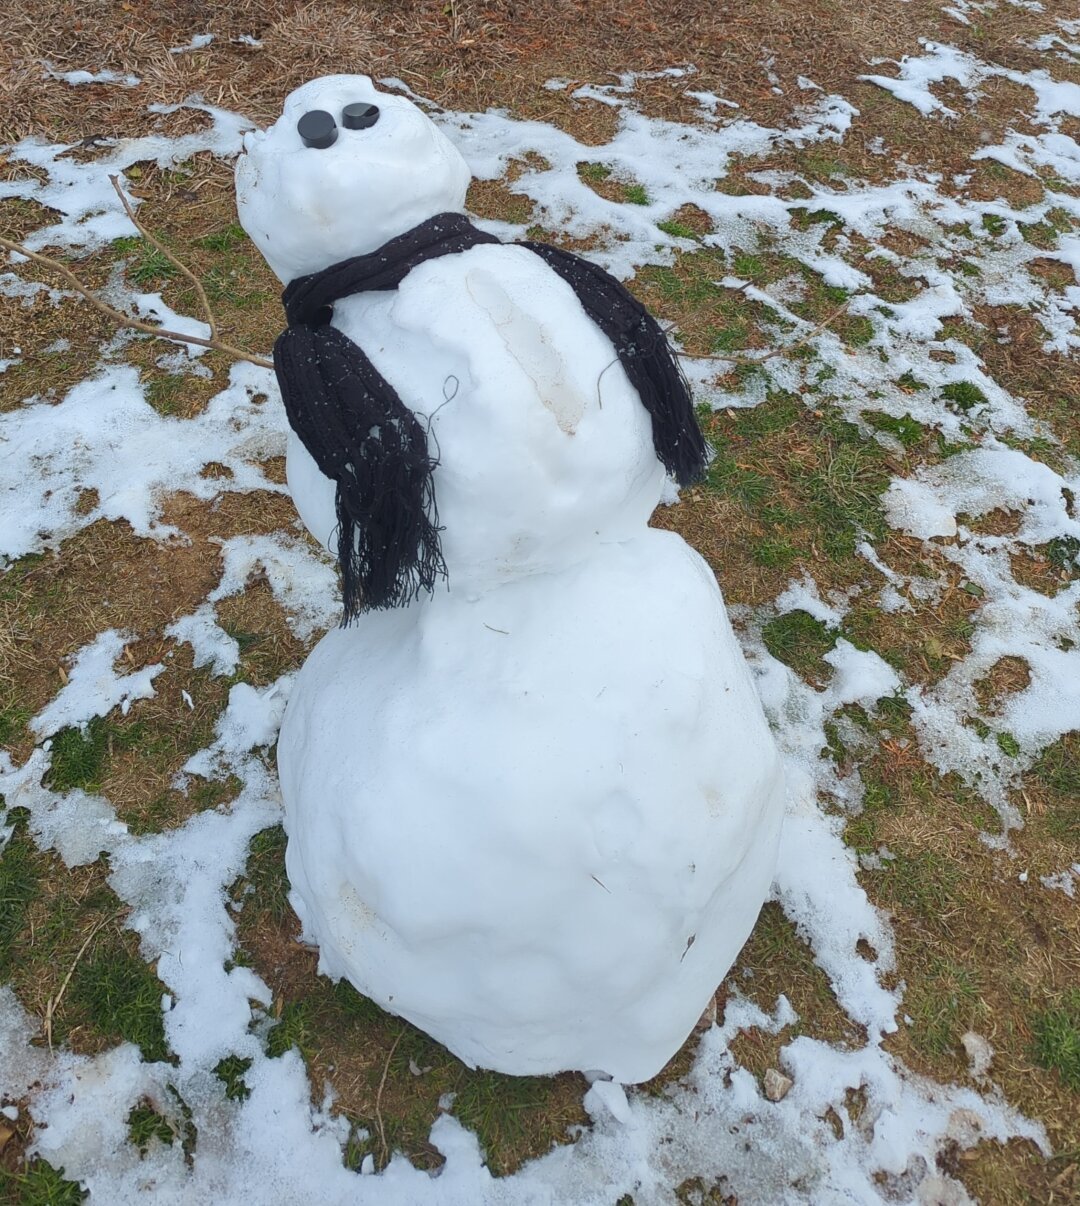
363 437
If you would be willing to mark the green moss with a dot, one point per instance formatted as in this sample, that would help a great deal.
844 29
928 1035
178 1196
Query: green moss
994 224
635 194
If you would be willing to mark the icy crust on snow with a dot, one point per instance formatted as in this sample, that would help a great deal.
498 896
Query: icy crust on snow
716 1124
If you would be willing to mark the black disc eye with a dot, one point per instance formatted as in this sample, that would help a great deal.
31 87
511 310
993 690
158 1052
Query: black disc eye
317 129
359 115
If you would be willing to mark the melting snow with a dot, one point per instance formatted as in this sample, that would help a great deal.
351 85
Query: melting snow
104 436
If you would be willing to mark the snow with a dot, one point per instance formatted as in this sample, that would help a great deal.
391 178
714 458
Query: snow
197 43
94 688
103 435
75 78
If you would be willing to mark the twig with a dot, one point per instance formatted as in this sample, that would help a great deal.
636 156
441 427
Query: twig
155 242
785 350
54 1002
378 1100
124 320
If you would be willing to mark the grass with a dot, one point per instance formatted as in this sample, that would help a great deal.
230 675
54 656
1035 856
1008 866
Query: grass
943 1005
230 1071
79 756
148 265
800 641
122 997
965 395
39 1185
18 886
145 1125
677 230
1056 1044
910 432
792 491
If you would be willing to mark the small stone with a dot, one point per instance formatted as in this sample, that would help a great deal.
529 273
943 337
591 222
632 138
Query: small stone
777 1085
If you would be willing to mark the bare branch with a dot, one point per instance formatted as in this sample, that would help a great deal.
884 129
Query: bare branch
155 242
125 320
378 1100
54 1002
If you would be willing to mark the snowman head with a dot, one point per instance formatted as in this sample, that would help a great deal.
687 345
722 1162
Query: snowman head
330 179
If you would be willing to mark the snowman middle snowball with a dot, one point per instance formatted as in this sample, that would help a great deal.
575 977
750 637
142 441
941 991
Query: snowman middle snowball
536 813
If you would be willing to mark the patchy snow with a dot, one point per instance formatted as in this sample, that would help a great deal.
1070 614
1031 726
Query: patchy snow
93 687
103 435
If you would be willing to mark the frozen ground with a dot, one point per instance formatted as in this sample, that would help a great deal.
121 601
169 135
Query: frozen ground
716 1124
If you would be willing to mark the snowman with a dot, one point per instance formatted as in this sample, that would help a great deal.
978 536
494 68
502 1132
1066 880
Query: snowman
531 798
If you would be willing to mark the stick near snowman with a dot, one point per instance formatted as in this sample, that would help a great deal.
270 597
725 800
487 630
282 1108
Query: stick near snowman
545 847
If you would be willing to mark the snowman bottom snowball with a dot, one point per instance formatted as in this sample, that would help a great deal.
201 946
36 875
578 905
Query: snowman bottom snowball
532 801
557 815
